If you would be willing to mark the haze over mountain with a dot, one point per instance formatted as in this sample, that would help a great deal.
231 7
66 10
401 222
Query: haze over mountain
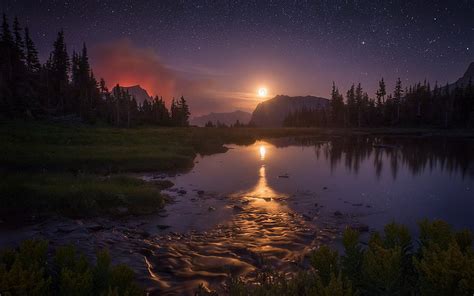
273 112
136 91
227 118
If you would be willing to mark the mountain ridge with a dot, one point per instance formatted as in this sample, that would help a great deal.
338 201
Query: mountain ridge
272 112
140 94
227 118
462 81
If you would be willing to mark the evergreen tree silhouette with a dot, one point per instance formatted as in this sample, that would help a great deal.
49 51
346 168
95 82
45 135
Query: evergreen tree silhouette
59 65
31 54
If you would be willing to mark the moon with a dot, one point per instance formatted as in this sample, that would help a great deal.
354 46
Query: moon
262 92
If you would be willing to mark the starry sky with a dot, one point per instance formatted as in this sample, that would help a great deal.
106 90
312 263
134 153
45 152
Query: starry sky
218 53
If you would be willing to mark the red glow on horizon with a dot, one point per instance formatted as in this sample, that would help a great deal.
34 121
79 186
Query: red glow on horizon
126 65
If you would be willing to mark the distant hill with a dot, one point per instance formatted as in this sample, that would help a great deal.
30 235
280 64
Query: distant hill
225 118
464 80
273 112
138 92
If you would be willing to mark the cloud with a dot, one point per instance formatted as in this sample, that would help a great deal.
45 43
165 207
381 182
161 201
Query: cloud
123 63
126 64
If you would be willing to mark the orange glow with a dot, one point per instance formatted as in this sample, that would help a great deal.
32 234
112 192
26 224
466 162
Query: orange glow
263 152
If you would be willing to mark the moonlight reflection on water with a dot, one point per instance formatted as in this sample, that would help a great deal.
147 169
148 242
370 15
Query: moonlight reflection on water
275 200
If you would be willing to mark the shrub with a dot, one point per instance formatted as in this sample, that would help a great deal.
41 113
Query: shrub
27 271
442 264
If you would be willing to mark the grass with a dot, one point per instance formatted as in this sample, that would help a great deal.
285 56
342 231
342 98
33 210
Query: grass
76 196
45 147
66 169
48 167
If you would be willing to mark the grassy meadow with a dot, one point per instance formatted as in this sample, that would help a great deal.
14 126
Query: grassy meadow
85 170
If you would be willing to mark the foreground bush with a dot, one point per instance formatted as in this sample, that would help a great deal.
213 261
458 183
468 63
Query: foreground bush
440 263
27 271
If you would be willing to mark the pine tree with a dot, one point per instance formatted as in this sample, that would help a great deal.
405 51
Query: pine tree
117 98
31 55
75 69
337 105
19 44
351 105
6 37
184 112
397 97
381 92
85 84
59 69
359 103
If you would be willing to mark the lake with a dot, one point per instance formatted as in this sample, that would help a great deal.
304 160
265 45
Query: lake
276 199
270 203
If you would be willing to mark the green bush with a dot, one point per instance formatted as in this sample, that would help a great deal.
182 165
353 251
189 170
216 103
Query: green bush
446 261
442 264
27 271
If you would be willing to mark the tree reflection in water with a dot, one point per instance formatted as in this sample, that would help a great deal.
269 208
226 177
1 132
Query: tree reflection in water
416 153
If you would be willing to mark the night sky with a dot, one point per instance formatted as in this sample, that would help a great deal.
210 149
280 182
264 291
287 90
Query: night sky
218 53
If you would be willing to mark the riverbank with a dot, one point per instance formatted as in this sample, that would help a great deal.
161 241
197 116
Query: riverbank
67 169
270 204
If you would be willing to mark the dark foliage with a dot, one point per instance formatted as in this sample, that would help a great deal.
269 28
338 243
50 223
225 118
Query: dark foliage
418 105
390 264
65 87
28 271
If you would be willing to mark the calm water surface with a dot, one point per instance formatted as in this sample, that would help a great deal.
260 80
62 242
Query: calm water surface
272 202
382 179
275 200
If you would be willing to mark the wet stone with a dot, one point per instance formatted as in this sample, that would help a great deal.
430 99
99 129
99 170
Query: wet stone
95 227
162 226
237 208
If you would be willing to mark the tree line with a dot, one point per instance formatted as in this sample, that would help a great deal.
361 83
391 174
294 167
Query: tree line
65 85
417 105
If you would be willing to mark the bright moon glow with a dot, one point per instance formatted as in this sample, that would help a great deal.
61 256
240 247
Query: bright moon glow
263 151
262 92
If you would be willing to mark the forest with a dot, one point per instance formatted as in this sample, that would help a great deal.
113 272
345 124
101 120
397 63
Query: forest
65 87
413 106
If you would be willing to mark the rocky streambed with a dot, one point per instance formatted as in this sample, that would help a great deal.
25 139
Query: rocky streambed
269 204
200 237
